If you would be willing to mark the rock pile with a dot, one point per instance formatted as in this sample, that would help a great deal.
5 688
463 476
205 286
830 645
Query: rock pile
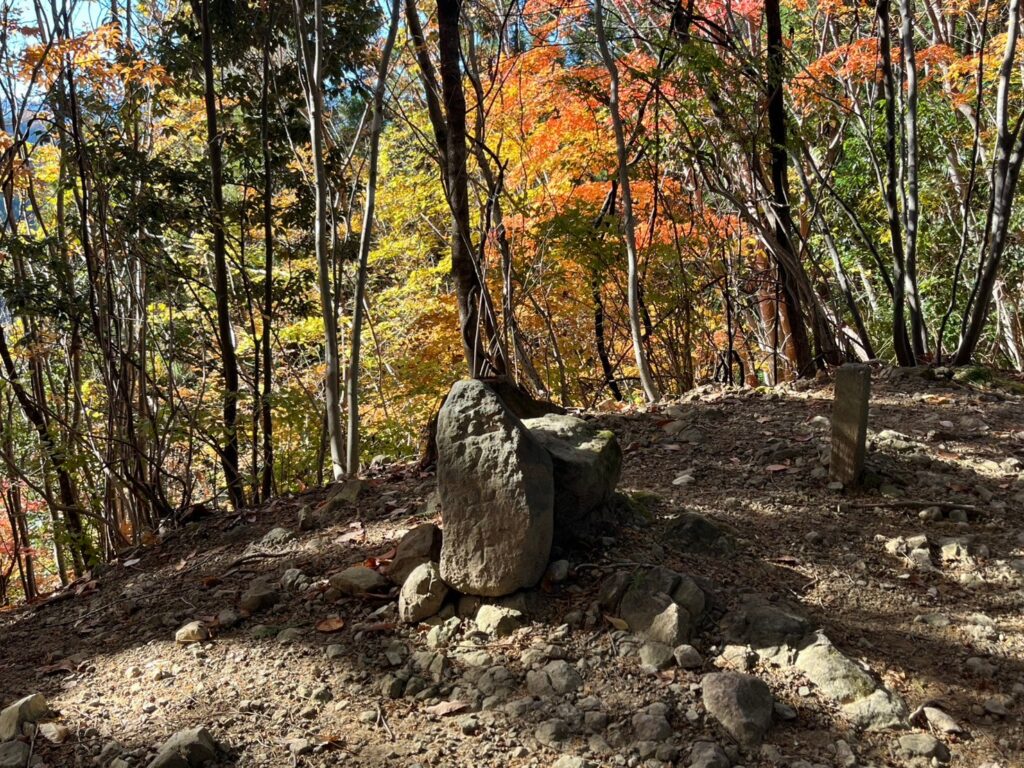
507 487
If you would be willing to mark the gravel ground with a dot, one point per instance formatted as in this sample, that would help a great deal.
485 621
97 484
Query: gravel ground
322 680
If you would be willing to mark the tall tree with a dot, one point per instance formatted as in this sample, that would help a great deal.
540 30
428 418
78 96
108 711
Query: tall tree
366 233
647 383
311 49
226 334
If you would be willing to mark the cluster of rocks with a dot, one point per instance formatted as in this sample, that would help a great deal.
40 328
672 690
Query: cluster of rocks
27 719
508 489
777 634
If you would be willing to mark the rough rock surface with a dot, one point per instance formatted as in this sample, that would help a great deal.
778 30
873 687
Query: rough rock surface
359 580
743 704
186 749
658 604
420 545
422 594
26 710
586 464
497 495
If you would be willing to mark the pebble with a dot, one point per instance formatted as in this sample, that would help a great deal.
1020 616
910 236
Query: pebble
193 632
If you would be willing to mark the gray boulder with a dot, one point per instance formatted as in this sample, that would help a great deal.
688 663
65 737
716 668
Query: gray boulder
496 486
743 704
190 748
422 594
586 464
420 545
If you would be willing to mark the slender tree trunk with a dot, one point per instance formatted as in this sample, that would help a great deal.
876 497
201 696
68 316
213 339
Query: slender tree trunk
647 382
901 341
312 56
376 126
788 264
229 451
266 414
911 196
1005 175
468 285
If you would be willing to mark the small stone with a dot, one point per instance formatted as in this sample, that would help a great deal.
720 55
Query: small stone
258 597
998 705
14 754
558 571
552 733
359 580
498 620
743 704
571 761
392 687
335 651
650 727
923 745
688 657
784 711
422 594
27 710
656 655
289 635
186 749
940 721
707 754
193 632
299 747
420 545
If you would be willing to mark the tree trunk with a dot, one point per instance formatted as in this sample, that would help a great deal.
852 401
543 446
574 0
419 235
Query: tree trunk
312 62
901 341
788 263
229 451
1005 175
468 285
647 382
376 126
266 414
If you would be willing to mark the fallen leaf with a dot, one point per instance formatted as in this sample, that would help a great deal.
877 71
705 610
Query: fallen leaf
616 622
776 468
66 665
330 624
446 708
133 561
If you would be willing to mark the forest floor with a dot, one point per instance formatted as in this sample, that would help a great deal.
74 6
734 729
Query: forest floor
276 691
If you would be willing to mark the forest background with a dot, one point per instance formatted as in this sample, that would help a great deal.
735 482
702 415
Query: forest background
245 247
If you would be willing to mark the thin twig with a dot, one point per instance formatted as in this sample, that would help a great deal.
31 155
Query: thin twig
381 720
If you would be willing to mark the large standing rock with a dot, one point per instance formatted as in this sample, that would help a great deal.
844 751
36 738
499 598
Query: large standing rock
743 704
586 463
496 487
